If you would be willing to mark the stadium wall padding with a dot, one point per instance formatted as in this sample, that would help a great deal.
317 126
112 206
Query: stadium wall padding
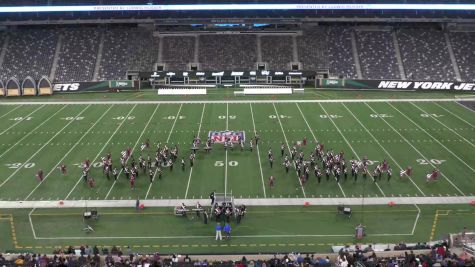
396 85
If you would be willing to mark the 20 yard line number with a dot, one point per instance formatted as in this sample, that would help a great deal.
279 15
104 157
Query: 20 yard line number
428 161
220 163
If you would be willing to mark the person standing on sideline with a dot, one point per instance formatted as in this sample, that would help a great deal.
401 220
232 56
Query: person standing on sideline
137 204
218 232
211 196
227 231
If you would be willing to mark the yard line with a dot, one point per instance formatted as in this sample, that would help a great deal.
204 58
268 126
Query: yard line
258 153
10 111
197 135
133 148
31 223
168 139
349 144
415 149
446 148
13 125
105 144
38 151
226 159
377 141
315 138
65 155
31 132
417 219
443 124
288 147
453 114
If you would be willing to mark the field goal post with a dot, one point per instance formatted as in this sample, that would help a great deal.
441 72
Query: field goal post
464 240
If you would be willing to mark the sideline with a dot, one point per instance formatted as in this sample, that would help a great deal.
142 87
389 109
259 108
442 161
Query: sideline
125 102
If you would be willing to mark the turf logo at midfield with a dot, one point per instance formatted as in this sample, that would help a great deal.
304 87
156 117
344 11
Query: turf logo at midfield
221 136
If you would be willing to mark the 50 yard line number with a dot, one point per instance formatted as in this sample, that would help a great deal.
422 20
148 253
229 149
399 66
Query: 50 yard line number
220 163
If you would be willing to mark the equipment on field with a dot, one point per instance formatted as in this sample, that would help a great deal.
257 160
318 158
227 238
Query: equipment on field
344 211
180 210
92 214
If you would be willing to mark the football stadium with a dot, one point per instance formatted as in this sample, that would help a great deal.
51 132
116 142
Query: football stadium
237 133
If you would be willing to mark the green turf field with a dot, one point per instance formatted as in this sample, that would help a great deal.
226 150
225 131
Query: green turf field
264 229
425 135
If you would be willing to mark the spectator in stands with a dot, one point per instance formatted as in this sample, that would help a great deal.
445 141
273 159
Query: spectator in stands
369 248
95 250
114 250
187 258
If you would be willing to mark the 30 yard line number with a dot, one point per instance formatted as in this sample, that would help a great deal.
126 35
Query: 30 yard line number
18 165
220 163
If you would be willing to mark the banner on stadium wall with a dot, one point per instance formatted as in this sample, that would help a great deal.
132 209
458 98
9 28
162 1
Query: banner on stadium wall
225 73
397 85
104 86
125 84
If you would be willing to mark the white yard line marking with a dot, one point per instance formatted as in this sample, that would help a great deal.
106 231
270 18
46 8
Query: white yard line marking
168 139
315 138
288 147
31 132
382 147
41 148
415 149
10 111
99 154
443 124
417 219
435 139
197 135
258 153
13 125
349 144
133 149
226 159
31 223
455 115
207 237
70 150
236 101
